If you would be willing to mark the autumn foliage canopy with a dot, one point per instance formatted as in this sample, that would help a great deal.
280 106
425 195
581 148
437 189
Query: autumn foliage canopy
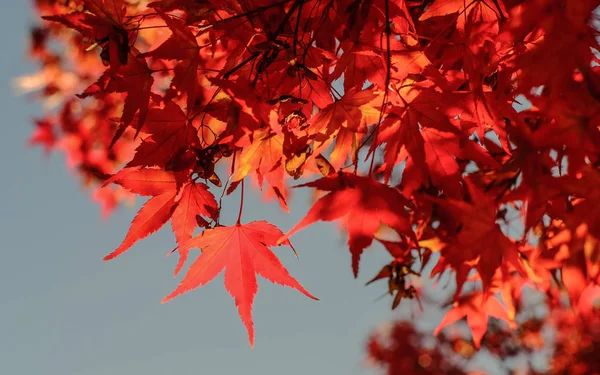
460 135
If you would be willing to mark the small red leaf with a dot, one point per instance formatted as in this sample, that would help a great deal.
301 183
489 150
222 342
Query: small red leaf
151 217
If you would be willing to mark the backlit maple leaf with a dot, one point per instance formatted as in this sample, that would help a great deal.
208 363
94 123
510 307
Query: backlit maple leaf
243 251
477 241
264 156
135 79
195 200
346 112
182 46
363 203
477 308
172 197
170 132
103 23
151 217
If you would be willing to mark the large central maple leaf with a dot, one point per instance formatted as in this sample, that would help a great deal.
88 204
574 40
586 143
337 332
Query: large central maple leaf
242 250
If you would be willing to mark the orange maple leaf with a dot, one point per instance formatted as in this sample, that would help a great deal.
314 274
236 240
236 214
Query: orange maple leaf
264 156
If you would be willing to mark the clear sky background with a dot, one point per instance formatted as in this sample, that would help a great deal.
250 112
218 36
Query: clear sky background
65 311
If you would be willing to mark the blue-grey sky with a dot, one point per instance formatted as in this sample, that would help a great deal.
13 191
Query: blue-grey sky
65 311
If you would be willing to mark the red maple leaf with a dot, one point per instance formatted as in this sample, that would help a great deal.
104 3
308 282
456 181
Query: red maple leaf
44 135
264 156
243 251
477 240
151 217
135 79
346 112
182 46
171 132
477 307
169 200
195 200
104 23
363 203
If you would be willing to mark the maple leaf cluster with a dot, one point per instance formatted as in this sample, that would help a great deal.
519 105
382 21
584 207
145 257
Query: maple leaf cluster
463 134
559 340
404 352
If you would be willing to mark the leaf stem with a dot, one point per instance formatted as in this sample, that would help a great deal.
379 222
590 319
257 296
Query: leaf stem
239 219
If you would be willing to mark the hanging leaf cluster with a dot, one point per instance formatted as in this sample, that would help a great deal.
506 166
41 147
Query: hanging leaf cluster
461 134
